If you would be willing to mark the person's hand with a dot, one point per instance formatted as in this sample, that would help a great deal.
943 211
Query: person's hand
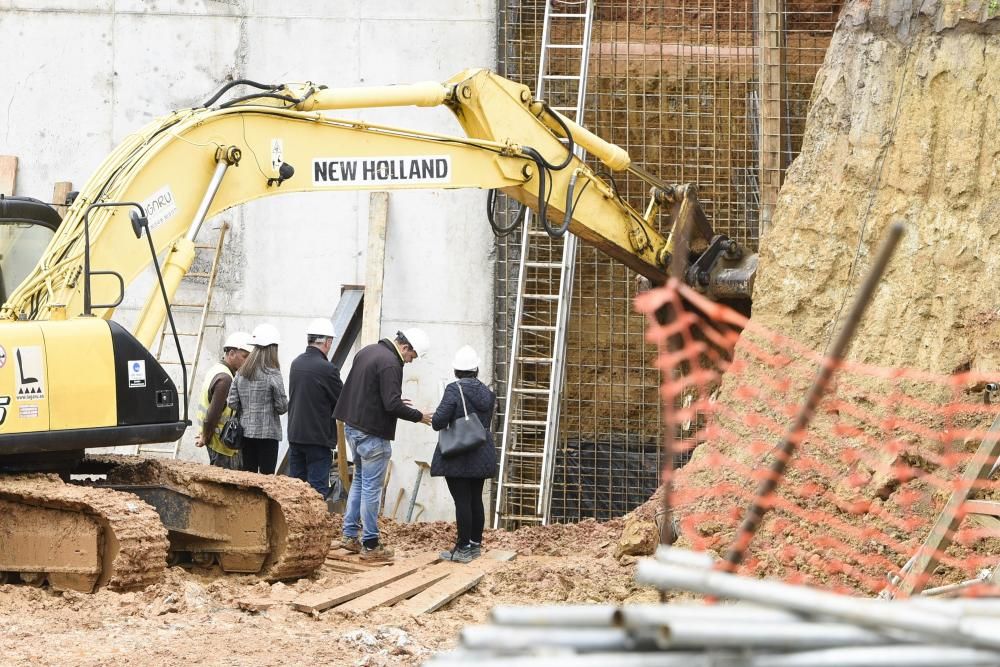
426 418
199 441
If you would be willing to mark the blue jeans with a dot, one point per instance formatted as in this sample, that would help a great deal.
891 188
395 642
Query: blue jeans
311 463
371 461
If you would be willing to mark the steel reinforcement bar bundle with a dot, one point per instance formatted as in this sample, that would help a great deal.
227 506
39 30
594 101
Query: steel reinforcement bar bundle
769 624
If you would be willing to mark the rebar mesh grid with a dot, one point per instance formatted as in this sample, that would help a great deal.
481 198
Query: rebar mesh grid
678 85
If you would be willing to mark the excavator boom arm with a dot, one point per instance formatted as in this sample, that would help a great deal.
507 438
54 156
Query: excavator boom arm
196 163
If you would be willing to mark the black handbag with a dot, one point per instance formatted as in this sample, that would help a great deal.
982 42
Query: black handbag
462 435
232 431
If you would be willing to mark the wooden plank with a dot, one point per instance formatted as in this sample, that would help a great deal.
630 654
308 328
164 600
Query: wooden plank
442 592
987 507
343 566
378 219
59 192
455 584
363 583
8 174
926 558
400 589
354 559
771 30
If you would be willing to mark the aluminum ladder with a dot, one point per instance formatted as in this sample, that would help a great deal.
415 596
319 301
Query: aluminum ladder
200 309
536 368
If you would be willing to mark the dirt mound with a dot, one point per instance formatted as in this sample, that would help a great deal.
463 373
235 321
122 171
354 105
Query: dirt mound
199 617
903 127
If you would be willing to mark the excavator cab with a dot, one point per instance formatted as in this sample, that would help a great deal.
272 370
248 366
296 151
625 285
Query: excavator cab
26 227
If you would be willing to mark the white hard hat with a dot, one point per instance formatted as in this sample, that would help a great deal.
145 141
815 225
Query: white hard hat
418 340
264 335
321 327
466 359
238 340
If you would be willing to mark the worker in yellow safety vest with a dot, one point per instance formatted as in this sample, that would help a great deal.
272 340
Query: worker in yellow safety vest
213 413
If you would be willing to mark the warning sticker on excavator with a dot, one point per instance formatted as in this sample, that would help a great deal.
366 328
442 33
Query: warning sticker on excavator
30 374
415 169
160 206
136 373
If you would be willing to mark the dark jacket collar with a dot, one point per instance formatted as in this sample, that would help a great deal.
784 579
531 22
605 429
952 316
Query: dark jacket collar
392 348
315 350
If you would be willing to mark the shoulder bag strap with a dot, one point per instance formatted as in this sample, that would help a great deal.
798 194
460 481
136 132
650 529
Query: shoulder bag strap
460 393
236 383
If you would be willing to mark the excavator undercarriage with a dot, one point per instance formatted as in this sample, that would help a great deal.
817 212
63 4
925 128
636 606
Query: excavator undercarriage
122 530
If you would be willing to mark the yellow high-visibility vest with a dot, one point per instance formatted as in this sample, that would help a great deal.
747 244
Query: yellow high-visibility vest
227 412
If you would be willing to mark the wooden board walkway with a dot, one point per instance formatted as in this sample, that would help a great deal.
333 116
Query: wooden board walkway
422 583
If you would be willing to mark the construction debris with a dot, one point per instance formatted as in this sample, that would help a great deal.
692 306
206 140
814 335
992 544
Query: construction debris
770 624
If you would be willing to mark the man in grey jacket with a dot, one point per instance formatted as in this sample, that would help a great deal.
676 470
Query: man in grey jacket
313 389
369 406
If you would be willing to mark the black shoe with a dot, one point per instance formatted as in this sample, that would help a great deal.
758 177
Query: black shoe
458 555
476 548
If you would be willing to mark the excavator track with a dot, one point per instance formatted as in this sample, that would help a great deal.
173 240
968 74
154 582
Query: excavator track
77 538
274 526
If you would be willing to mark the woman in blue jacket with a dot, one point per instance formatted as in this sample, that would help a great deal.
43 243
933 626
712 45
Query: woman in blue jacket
465 473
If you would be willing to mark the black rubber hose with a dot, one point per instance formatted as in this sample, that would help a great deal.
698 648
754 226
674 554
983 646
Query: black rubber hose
569 136
491 207
238 82
257 96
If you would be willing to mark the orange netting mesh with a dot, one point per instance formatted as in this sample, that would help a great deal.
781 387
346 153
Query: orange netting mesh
873 469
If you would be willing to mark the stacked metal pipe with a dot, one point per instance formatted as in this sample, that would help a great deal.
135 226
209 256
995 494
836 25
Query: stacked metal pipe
760 624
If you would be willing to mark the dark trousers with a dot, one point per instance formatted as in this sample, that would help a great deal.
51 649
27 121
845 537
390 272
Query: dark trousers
260 455
311 463
469 513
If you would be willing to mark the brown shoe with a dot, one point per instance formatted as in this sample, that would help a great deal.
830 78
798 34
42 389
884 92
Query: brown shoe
379 554
351 544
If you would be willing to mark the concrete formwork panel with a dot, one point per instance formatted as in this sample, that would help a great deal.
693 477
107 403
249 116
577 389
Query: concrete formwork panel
86 74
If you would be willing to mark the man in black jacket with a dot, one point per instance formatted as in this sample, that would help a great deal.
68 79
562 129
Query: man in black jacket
314 386
369 407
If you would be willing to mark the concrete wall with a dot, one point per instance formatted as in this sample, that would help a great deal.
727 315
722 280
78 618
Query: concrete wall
79 76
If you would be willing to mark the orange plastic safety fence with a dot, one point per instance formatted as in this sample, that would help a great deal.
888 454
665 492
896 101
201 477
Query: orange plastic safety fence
871 473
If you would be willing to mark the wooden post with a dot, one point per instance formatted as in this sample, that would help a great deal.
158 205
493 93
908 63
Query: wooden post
976 470
771 36
378 218
8 174
59 192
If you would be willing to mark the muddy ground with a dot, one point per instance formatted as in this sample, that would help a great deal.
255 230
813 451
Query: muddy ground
193 618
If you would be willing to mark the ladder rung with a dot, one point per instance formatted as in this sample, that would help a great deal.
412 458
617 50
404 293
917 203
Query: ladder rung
573 109
534 360
187 305
530 391
567 16
526 455
528 422
564 46
510 485
172 363
519 517
542 297
196 274
544 265
205 246
536 327
560 77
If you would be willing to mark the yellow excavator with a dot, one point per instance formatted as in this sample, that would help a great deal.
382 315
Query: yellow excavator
71 378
